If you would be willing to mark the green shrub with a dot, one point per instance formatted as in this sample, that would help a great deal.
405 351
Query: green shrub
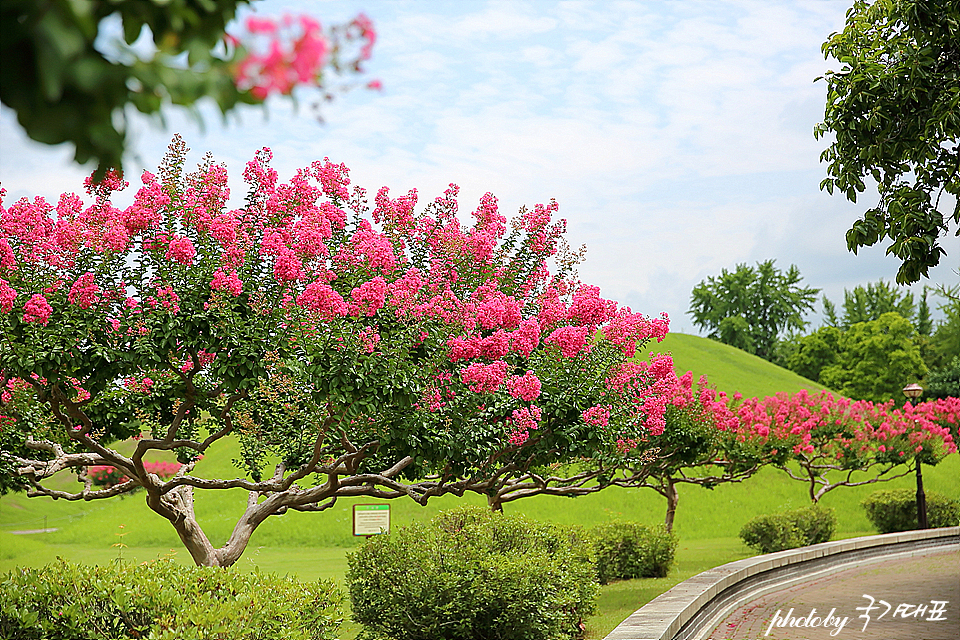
625 550
896 510
472 574
789 530
163 601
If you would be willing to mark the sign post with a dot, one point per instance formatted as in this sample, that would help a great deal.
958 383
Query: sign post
371 519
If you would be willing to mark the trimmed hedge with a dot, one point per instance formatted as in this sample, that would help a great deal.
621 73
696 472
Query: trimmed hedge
789 530
626 550
163 601
894 510
472 574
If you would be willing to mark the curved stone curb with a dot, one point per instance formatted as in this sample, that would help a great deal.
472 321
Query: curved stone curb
688 608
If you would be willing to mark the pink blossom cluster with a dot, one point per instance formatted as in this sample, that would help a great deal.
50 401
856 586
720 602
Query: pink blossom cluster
84 292
526 387
484 378
824 426
294 50
523 422
107 476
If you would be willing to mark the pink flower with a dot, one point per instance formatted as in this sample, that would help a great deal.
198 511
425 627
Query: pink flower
320 298
226 281
484 378
496 346
84 292
526 387
571 340
524 420
181 249
525 339
287 267
599 416
7 296
369 297
588 308
461 349
37 309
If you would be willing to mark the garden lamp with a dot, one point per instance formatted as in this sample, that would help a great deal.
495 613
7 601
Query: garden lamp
913 392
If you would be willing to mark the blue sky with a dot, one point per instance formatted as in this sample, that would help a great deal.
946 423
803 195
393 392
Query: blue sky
676 136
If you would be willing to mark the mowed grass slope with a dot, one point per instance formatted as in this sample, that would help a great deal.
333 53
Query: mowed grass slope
314 545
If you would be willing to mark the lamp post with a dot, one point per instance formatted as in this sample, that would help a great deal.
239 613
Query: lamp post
913 393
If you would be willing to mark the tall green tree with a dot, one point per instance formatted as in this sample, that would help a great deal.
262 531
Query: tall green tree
867 303
876 359
893 110
813 352
750 307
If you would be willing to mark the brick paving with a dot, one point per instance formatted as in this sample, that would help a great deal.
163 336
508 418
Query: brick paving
908 581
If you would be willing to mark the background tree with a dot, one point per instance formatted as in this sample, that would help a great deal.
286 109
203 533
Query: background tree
892 109
945 341
65 85
875 360
867 303
750 307
944 382
810 354
345 351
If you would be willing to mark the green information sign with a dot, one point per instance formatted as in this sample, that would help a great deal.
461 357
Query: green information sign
371 519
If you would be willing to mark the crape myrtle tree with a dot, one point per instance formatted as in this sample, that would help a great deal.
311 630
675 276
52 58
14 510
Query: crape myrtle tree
69 81
893 110
350 350
701 444
833 442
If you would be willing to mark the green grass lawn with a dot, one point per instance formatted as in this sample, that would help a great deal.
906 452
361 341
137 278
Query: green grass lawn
313 546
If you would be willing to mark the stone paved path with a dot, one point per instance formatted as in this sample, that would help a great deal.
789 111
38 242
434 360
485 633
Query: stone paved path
908 581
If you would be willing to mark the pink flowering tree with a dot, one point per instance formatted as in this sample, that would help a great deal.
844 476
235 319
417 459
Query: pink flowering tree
185 51
349 349
700 443
834 442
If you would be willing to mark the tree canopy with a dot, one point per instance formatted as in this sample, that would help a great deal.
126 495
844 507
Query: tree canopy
750 307
351 350
875 360
893 109
67 82
868 303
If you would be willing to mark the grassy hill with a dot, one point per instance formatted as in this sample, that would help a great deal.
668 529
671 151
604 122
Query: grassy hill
729 368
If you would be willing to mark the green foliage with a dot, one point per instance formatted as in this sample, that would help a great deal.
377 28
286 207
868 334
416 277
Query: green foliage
813 352
626 550
64 89
875 360
789 530
473 574
165 601
749 307
893 109
945 381
896 510
923 321
945 341
868 303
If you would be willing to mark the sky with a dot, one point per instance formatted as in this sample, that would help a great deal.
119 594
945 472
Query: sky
676 136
